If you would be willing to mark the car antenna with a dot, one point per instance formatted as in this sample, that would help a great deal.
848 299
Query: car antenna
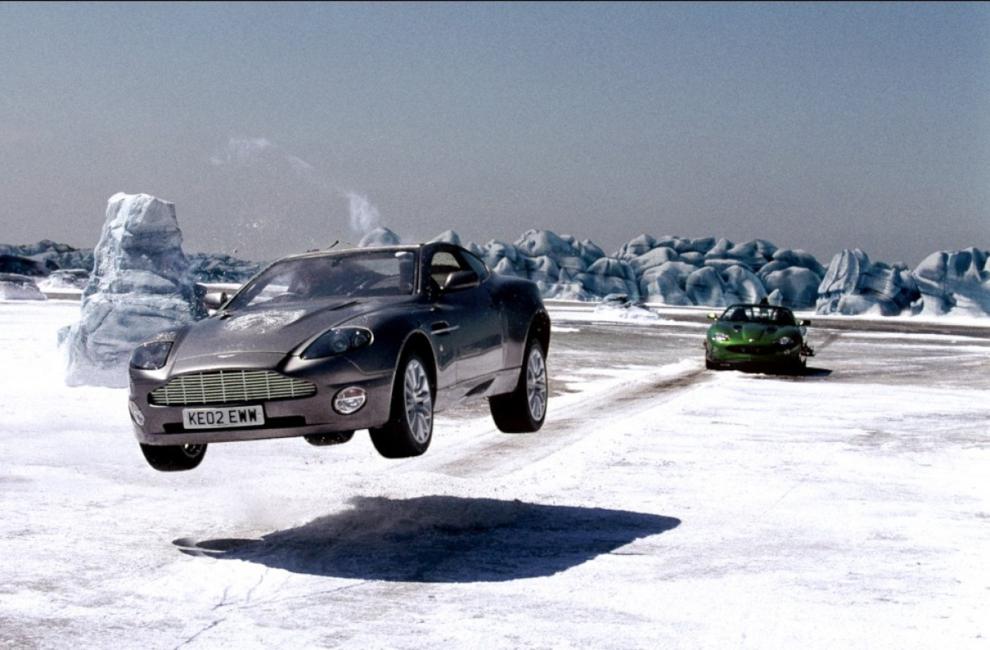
335 242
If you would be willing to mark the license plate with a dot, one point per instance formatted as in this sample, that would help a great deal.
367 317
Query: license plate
223 418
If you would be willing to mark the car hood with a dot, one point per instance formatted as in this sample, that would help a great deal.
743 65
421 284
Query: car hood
274 329
753 332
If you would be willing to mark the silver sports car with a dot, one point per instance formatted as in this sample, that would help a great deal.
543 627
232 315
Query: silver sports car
321 344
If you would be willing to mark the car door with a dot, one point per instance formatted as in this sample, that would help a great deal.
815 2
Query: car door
465 318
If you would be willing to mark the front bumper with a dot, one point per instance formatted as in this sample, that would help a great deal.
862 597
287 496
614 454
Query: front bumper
753 355
163 425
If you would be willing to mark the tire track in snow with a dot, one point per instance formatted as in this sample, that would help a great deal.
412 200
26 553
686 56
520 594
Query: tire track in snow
494 452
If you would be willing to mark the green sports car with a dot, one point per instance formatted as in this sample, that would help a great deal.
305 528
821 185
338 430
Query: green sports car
762 335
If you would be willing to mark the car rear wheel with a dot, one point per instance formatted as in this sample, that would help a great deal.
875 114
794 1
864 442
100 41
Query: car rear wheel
410 427
173 458
524 409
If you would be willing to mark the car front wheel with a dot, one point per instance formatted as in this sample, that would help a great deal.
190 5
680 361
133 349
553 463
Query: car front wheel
410 426
173 458
524 409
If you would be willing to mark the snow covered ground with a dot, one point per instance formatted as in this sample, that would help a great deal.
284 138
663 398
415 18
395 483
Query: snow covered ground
661 506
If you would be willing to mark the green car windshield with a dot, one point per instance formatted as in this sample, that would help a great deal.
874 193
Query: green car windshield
758 314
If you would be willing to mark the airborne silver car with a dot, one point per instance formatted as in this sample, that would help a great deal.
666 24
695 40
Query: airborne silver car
322 344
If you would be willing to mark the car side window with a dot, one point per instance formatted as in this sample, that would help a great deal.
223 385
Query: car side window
476 265
443 264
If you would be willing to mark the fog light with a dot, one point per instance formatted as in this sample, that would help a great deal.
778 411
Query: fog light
136 413
350 400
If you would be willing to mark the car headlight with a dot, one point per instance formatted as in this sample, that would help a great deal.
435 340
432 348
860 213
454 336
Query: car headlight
785 341
151 355
721 337
337 341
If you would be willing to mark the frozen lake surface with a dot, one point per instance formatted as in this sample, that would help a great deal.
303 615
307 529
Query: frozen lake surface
662 505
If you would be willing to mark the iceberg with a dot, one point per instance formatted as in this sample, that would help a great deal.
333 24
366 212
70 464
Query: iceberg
854 285
653 258
449 236
140 286
539 243
379 237
23 266
42 258
219 268
669 270
705 287
956 281
792 286
610 275
667 283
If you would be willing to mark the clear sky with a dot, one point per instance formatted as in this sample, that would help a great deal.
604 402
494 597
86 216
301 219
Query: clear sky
273 127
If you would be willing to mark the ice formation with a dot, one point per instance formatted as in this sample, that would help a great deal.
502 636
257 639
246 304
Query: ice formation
140 286
220 268
956 281
380 237
64 281
855 285
19 287
43 258
669 270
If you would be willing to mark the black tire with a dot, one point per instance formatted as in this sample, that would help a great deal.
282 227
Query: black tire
173 458
409 429
524 409
711 365
327 439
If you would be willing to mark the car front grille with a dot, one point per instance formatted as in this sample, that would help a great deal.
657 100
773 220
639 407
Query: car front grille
225 386
753 349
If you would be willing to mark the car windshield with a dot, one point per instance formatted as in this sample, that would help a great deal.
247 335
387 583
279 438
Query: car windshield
758 314
347 275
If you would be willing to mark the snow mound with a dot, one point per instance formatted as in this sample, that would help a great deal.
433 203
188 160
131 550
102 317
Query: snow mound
19 287
74 279
140 286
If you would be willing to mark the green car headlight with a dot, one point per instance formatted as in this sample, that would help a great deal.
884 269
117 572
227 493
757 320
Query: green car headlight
338 341
721 337
785 341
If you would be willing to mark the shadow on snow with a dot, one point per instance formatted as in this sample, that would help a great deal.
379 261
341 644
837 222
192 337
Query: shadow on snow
440 539
763 369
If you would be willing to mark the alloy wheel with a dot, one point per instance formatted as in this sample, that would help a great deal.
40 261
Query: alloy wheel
536 383
418 401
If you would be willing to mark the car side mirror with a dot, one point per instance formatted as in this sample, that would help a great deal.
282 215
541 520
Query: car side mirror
712 316
214 299
459 280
